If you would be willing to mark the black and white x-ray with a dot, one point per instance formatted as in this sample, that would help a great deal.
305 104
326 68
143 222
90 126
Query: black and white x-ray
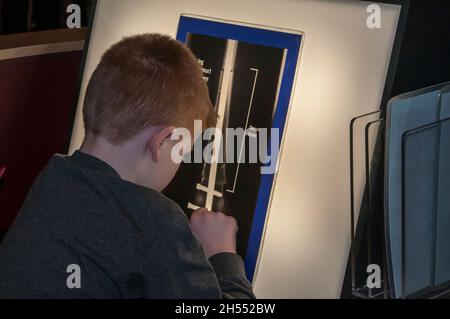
244 82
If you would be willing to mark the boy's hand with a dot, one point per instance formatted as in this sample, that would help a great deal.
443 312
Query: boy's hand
215 231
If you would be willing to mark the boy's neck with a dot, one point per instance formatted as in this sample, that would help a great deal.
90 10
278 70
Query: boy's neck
121 157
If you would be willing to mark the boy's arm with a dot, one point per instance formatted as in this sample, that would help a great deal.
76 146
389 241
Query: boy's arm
176 266
230 273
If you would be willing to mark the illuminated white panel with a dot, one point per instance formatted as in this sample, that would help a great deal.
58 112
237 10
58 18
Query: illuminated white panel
342 72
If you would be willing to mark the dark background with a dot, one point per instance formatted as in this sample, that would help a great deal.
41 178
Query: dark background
17 16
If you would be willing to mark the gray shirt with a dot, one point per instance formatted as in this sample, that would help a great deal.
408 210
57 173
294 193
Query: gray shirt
83 232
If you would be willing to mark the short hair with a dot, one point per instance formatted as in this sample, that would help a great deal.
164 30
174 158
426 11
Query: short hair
146 80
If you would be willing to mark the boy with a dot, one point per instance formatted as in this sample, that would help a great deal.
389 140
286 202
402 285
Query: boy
95 225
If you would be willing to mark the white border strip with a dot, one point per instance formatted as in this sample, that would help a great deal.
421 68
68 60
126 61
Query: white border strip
22 52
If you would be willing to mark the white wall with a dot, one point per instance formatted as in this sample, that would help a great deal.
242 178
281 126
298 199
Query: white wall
342 72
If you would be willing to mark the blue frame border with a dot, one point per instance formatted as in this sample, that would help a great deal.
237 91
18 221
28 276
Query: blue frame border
291 42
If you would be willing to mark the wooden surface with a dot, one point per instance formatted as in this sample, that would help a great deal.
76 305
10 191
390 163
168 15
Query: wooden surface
10 41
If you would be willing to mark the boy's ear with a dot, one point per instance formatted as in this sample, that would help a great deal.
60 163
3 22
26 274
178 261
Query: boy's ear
159 135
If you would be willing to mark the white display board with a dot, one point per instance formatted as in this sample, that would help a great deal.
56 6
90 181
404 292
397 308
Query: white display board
342 72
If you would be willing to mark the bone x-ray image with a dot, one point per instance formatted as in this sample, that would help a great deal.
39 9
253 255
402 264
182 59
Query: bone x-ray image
243 81
250 73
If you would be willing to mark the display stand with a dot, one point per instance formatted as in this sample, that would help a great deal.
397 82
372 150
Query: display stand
368 244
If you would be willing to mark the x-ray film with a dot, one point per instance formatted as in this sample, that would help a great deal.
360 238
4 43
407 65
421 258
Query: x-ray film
250 73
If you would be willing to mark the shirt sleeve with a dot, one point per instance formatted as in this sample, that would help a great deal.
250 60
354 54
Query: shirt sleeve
230 273
175 266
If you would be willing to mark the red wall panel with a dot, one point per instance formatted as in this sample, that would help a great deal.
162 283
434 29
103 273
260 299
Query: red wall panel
36 106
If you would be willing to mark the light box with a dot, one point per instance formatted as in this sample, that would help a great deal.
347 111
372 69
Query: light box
341 73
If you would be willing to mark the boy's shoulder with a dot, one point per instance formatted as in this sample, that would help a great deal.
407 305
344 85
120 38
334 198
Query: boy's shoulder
85 193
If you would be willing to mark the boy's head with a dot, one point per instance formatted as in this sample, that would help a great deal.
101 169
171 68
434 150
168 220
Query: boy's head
143 88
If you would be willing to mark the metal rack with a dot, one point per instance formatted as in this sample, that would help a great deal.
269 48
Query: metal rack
368 240
369 121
